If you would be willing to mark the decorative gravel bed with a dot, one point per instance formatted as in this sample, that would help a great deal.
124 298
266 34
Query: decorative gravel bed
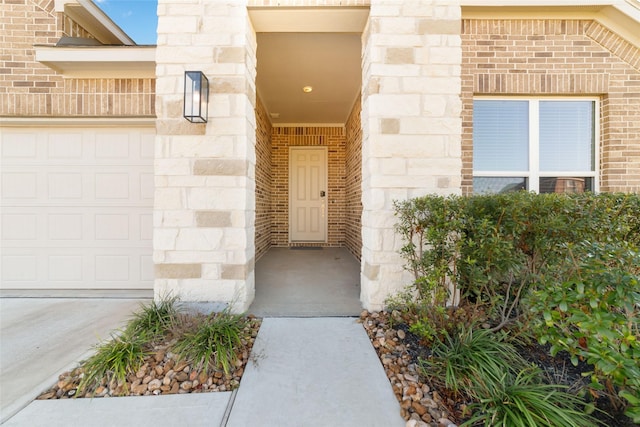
398 350
426 405
163 372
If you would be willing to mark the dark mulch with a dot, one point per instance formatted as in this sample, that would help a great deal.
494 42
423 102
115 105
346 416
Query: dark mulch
558 370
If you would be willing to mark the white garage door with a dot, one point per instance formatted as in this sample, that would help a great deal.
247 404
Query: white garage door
77 208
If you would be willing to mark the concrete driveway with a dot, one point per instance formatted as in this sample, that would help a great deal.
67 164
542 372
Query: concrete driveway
42 337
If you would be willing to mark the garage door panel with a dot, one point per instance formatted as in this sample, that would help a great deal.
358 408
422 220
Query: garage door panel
77 208
70 185
77 268
52 226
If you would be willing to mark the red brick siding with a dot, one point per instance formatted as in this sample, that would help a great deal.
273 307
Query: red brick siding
29 88
264 180
558 57
353 190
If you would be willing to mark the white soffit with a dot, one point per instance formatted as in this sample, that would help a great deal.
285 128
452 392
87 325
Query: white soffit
309 19
100 61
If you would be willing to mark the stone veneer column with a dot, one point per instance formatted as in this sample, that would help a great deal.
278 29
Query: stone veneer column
411 126
205 173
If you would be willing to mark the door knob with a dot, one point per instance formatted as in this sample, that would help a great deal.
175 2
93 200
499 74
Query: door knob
322 194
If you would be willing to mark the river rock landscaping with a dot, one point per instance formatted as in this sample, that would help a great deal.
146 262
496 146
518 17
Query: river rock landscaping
163 369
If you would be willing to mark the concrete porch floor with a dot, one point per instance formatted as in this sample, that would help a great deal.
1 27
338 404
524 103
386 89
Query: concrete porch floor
307 283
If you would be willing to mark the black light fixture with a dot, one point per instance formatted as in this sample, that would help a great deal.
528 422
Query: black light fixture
196 96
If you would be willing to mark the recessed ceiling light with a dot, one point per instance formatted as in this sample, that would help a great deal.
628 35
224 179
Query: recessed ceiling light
307 89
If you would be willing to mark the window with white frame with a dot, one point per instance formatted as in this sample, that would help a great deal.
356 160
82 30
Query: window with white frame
544 145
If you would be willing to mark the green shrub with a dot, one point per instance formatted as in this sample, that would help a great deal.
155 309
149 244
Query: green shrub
506 391
493 248
522 401
594 314
213 343
153 320
472 359
113 361
573 259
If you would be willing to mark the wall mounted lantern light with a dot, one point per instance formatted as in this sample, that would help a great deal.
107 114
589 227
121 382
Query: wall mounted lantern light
196 96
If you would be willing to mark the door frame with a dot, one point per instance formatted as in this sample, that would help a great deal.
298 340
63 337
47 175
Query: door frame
326 186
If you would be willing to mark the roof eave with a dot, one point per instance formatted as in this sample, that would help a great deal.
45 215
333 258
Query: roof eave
100 61
94 20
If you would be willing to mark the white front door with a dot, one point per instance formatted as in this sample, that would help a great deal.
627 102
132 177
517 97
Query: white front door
308 194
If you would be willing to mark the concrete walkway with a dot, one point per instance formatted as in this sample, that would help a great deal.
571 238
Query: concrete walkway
303 371
307 283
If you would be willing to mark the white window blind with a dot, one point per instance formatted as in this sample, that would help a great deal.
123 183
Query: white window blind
500 135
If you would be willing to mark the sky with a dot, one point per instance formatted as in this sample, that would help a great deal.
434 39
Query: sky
137 18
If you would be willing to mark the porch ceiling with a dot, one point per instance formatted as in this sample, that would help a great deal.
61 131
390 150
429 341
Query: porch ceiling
328 62
308 46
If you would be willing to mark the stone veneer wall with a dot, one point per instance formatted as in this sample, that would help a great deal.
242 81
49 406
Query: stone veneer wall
411 126
332 137
29 88
558 57
353 189
204 229
264 181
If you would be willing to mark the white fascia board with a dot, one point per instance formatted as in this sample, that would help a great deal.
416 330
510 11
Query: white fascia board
309 19
537 3
94 20
100 61
67 122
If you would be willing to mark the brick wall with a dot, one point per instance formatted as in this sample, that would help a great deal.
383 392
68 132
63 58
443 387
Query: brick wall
353 189
332 137
28 88
264 181
558 57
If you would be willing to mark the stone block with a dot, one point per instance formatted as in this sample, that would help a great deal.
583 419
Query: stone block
394 166
431 125
199 146
228 85
439 26
235 239
211 271
172 167
229 167
216 199
235 54
164 238
397 70
445 55
409 146
383 105
199 239
173 218
186 181
371 272
202 257
177 24
178 271
390 126
168 198
234 271
399 55
435 106
213 219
